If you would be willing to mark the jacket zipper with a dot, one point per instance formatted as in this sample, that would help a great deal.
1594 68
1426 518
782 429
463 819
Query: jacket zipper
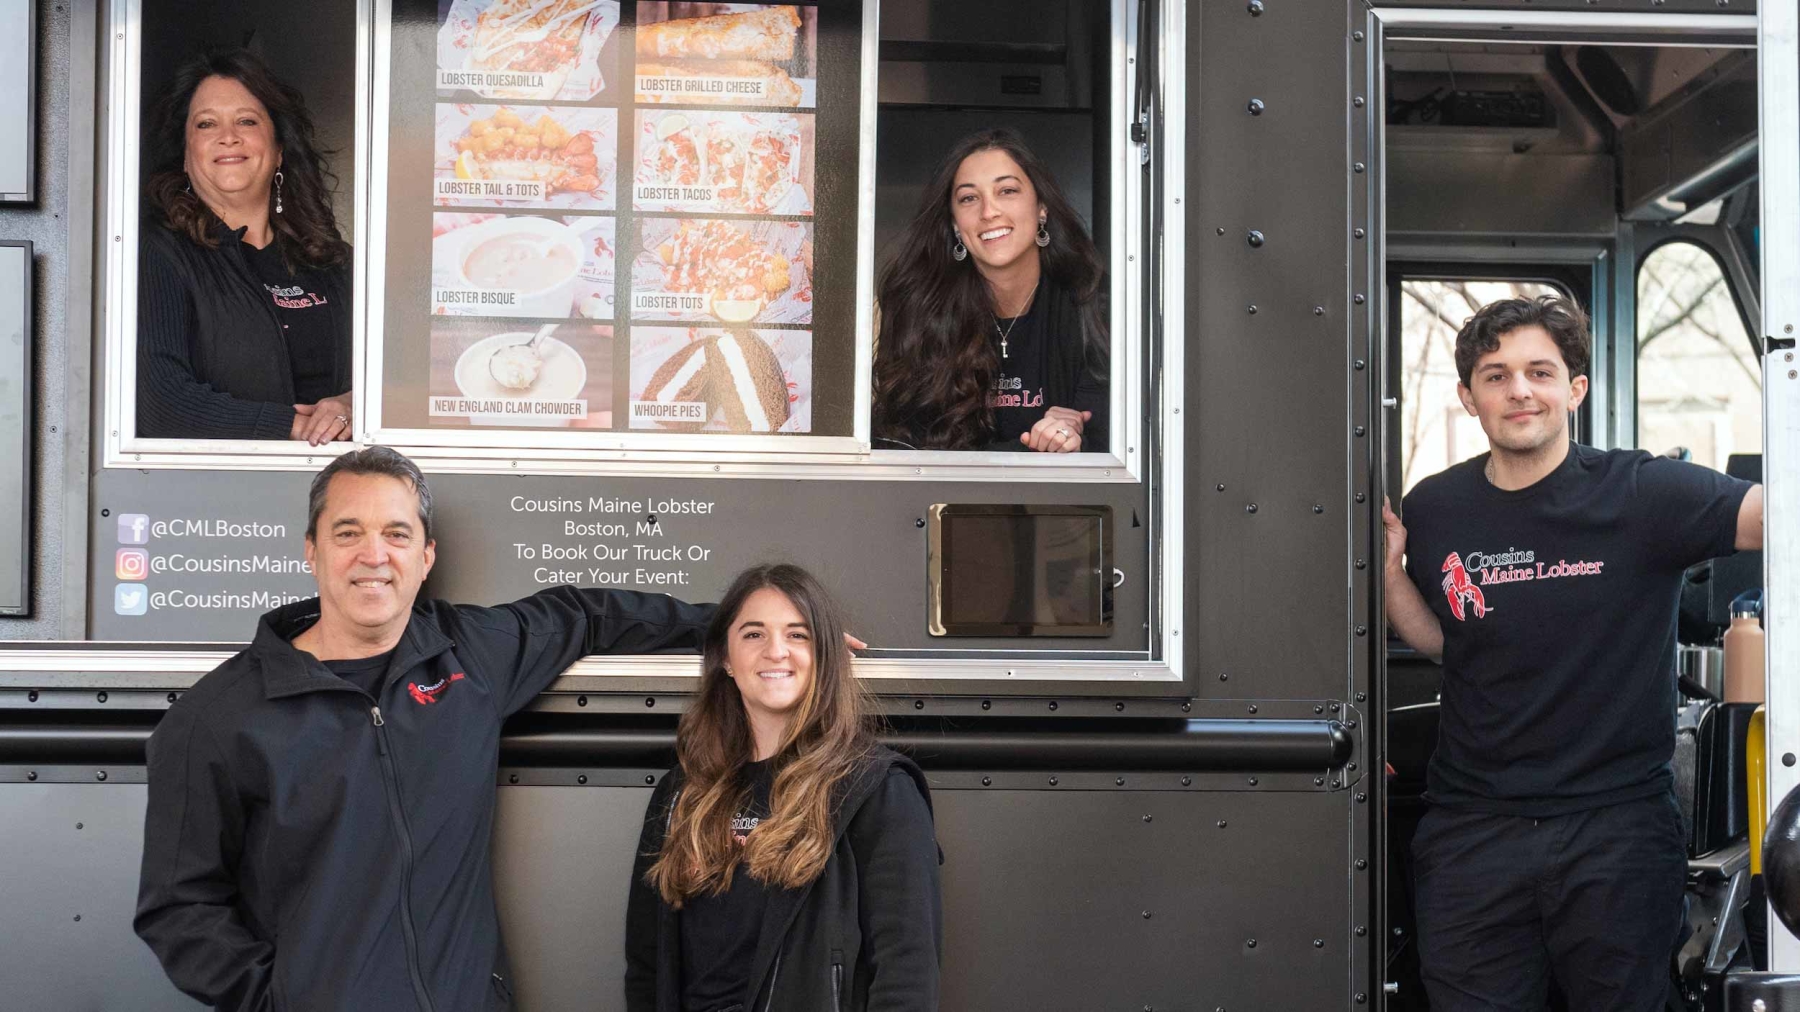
406 861
774 975
837 982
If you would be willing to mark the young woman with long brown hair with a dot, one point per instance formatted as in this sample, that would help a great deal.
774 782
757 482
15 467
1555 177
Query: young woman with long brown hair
788 861
993 327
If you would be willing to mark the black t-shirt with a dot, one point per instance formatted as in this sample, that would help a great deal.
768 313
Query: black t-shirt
719 933
1558 605
365 673
306 323
1018 397
1018 394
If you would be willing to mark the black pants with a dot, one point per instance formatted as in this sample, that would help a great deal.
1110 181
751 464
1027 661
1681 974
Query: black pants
1505 902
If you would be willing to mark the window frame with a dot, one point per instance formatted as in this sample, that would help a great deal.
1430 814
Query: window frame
602 454
1573 279
1704 239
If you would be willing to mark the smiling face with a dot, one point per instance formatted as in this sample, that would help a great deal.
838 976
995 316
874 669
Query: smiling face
1522 392
996 209
769 654
231 154
369 555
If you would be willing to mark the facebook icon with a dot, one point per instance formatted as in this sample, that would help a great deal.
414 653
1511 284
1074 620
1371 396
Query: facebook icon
134 528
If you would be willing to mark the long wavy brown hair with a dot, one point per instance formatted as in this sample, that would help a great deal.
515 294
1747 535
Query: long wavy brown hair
829 737
935 364
305 230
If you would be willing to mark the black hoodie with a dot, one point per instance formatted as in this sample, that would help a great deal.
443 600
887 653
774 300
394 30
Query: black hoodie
866 935
310 847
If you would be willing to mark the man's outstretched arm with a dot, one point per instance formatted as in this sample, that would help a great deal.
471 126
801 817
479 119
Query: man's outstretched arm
1407 612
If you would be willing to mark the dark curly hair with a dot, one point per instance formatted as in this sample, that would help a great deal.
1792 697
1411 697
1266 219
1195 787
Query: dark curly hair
305 230
1561 318
935 365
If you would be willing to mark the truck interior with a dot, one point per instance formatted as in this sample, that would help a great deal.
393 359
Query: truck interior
1623 176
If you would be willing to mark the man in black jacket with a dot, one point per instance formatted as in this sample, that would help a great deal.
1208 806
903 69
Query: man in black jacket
321 805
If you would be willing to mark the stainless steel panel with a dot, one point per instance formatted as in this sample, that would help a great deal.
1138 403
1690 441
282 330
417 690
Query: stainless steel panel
18 101
1435 192
1092 900
67 901
1268 553
1779 126
562 862
864 539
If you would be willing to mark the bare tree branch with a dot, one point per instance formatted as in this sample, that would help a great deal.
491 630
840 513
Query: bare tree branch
1686 315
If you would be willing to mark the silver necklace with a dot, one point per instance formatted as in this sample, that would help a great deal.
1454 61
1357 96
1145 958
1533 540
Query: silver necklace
1004 334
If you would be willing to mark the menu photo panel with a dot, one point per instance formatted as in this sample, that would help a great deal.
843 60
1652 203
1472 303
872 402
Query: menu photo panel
620 217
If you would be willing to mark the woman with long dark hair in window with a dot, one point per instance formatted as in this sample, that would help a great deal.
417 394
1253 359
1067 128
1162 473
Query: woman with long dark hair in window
788 861
992 312
243 280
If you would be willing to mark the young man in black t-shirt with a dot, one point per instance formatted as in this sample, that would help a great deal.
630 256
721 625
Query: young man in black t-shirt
1545 576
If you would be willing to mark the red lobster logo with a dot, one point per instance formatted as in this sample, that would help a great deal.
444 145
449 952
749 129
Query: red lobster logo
1459 589
423 694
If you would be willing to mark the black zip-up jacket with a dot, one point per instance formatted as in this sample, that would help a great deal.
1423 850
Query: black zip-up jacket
308 847
865 936
212 359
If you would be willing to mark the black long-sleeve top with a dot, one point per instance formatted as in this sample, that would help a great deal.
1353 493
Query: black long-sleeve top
865 936
212 356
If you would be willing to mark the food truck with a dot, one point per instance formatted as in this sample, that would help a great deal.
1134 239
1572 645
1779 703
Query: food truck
614 288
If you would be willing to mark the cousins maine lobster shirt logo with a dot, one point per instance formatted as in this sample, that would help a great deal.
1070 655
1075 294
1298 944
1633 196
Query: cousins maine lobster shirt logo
423 694
1464 576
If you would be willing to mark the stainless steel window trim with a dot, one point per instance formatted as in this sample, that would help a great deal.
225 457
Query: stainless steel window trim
1615 28
1778 60
119 307
178 669
1168 479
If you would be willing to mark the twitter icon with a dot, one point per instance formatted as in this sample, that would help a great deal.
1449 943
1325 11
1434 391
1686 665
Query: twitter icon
131 599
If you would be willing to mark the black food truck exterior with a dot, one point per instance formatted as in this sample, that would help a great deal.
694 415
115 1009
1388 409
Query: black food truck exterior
613 287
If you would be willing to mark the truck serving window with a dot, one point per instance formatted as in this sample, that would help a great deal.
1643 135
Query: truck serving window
232 300
1699 384
650 233
991 228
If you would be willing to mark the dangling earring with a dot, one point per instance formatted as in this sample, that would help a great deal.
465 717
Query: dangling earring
278 197
1043 236
958 252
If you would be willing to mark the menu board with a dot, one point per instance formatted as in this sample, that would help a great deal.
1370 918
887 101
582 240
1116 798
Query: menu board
608 215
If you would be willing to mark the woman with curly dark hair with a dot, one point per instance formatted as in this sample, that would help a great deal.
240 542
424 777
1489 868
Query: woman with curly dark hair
244 288
992 312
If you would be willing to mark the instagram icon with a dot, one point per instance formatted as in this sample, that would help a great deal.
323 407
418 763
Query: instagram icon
131 564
